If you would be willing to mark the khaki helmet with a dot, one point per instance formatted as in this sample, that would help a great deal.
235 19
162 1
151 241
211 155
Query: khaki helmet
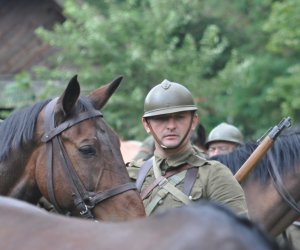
168 97
225 132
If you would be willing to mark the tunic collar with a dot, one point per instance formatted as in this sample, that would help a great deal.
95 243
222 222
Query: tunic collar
191 156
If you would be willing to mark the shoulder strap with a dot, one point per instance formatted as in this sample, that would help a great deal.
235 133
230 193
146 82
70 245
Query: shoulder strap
145 168
168 174
189 180
168 186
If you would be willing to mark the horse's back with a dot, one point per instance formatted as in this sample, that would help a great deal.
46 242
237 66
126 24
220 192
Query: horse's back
216 227
203 226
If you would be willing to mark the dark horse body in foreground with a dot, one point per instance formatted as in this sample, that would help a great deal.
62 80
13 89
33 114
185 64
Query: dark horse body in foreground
204 226
266 205
63 149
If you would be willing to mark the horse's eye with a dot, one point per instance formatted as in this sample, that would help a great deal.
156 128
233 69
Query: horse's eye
87 150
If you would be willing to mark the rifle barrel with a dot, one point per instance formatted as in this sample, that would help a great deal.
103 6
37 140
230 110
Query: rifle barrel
253 159
261 149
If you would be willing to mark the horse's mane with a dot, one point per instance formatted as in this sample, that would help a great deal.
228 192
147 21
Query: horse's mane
285 150
18 129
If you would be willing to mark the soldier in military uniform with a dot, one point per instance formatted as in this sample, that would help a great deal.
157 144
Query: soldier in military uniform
223 139
178 174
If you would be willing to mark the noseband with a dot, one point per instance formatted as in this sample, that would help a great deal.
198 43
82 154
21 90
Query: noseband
84 200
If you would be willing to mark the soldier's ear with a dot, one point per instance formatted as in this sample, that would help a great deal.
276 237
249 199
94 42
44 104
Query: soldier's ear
195 121
146 125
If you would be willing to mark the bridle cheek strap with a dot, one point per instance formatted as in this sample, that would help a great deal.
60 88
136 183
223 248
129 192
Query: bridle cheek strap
279 185
55 146
84 201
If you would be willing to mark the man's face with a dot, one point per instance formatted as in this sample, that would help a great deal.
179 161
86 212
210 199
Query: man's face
220 148
170 129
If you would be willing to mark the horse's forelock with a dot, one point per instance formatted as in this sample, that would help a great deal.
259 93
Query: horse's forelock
84 104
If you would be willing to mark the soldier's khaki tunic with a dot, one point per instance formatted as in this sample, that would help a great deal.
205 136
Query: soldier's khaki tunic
214 182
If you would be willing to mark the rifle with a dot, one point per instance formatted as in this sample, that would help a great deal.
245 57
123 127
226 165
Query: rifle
265 143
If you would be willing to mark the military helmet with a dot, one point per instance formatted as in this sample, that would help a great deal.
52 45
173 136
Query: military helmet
168 97
225 132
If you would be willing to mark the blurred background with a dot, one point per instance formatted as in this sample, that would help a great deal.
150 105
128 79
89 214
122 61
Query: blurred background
239 58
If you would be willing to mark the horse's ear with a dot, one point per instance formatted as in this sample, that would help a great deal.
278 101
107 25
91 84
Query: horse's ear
68 99
100 96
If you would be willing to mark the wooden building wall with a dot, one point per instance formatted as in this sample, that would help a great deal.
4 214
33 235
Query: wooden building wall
20 48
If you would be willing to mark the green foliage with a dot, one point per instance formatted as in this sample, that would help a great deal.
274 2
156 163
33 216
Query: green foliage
237 57
286 91
144 41
283 25
21 92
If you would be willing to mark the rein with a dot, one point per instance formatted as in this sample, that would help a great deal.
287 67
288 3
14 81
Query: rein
278 183
84 200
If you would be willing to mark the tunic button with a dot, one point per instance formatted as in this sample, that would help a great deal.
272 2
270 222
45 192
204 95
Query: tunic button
160 202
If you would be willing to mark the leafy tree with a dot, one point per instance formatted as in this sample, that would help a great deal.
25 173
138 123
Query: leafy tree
223 51
284 31
146 41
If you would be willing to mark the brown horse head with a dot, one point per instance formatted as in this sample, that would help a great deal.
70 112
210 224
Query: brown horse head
74 159
272 188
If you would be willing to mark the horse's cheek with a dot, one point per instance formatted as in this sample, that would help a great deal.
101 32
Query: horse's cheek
40 169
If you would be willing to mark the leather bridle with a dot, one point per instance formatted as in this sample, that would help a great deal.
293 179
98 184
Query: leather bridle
84 200
279 185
